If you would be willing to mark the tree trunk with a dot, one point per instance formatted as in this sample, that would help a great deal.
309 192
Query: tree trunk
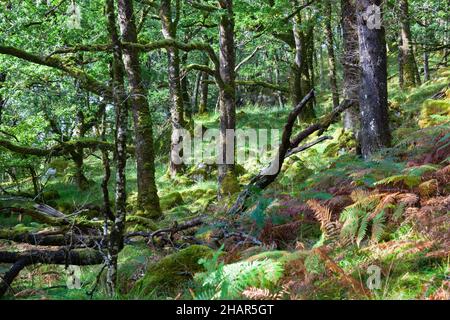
227 96
426 66
2 99
350 62
301 80
116 237
148 199
331 55
203 105
185 91
375 133
407 52
169 31
401 75
79 178
107 175
195 96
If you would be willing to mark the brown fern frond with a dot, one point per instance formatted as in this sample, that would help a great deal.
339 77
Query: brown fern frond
363 198
330 229
407 199
322 213
253 293
386 203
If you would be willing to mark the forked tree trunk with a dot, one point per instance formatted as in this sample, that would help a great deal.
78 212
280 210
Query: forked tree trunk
148 199
375 133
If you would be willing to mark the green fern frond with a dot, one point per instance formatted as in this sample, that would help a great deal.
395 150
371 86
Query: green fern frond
229 281
378 226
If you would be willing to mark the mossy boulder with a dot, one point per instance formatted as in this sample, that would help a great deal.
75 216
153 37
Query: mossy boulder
229 185
171 200
202 172
434 112
172 271
136 223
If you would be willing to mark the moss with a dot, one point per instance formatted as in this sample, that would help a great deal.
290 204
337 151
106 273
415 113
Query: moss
280 256
65 207
229 185
139 223
171 200
239 170
131 263
296 172
60 165
434 112
172 271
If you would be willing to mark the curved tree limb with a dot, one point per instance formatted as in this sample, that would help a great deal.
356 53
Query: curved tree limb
86 81
20 260
287 148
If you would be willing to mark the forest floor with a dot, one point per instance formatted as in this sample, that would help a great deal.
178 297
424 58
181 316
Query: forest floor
331 227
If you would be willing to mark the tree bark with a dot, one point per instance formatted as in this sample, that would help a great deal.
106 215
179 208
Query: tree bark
116 236
331 55
148 199
227 97
426 65
301 80
407 52
169 31
203 105
350 61
61 257
375 132
2 99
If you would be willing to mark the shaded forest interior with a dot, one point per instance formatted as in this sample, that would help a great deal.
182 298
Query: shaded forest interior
224 149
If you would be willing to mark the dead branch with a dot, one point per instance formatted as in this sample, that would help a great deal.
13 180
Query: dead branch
168 231
287 147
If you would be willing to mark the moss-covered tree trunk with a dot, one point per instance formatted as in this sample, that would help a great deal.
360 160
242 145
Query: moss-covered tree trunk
148 199
204 89
116 236
375 131
169 31
227 104
407 52
331 55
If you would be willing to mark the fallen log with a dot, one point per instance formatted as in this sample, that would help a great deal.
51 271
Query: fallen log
20 260
50 218
287 148
63 238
